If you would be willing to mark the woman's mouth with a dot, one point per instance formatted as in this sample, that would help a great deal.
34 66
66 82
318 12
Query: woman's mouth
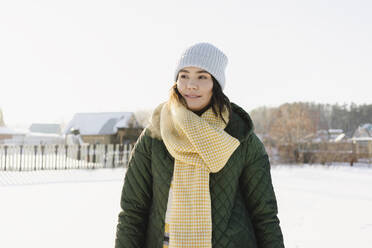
192 96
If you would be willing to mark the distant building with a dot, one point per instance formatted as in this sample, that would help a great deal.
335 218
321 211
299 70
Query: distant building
327 135
335 135
363 131
45 128
11 136
105 128
44 134
38 134
363 134
43 139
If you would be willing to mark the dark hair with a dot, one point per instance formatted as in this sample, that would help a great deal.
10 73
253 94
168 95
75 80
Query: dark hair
218 102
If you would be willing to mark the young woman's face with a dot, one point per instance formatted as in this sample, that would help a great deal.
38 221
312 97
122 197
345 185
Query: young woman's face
195 85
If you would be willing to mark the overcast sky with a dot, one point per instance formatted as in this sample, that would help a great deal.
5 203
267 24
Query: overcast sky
58 58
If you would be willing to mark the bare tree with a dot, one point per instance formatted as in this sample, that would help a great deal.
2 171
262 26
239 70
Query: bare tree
262 118
292 123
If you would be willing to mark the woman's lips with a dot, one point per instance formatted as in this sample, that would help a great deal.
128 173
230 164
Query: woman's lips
192 96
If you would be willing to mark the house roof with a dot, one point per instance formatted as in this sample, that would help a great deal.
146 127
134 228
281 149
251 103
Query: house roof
45 128
9 131
368 127
100 123
364 130
335 131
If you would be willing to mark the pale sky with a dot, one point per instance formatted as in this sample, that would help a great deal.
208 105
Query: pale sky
58 58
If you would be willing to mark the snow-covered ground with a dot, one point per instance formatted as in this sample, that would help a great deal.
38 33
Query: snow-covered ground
319 206
324 206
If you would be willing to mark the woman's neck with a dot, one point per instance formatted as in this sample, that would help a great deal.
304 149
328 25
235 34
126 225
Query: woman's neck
200 112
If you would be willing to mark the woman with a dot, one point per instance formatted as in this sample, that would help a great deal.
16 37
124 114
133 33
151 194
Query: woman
198 175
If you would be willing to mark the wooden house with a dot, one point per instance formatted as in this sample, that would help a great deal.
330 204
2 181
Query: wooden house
105 128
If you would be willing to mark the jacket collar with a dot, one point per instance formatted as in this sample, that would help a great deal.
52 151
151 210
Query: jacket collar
240 124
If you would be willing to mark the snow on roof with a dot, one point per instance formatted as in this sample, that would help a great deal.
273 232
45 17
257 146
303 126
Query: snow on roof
45 128
322 131
364 130
361 138
126 122
51 135
9 131
335 131
368 127
99 123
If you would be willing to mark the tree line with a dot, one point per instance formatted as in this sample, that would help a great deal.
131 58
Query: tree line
291 122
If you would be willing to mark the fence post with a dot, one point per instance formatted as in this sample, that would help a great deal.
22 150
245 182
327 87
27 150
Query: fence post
354 153
42 147
126 150
79 152
105 157
20 159
35 155
6 153
56 160
86 157
130 148
113 156
66 150
369 150
78 156
121 154
94 153
88 153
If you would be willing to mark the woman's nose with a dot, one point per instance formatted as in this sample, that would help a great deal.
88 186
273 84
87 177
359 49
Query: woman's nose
192 84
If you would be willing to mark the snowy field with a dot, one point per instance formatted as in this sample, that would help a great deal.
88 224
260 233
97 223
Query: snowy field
319 206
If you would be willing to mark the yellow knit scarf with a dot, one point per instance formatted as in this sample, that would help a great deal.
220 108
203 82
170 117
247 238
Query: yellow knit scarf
200 146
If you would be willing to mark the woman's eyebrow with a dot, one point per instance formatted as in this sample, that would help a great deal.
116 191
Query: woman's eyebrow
202 71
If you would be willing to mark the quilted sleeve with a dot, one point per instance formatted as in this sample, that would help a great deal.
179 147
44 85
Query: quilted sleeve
136 197
257 189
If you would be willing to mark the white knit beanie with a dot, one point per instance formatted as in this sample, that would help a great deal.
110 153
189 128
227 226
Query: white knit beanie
205 56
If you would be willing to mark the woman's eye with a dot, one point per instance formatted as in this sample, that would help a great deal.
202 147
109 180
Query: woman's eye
182 76
203 77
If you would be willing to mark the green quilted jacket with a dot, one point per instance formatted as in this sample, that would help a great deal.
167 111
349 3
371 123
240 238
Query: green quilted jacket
244 207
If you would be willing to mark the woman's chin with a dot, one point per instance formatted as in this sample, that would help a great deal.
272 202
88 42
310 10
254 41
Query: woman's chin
195 107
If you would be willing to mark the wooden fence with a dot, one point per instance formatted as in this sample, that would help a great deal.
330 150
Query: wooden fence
326 152
56 157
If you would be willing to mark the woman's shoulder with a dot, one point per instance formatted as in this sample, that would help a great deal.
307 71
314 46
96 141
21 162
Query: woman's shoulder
153 129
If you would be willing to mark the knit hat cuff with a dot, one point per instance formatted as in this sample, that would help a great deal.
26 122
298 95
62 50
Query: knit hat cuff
207 57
